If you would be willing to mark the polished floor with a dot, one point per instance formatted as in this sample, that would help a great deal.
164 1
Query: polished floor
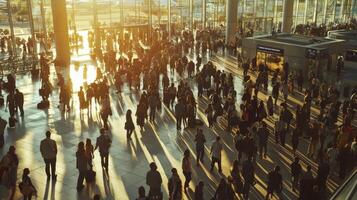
129 160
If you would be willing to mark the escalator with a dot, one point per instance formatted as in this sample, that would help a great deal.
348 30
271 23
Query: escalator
348 190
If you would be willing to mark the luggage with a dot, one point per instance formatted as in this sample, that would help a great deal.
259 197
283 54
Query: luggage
90 176
1 101
43 105
12 122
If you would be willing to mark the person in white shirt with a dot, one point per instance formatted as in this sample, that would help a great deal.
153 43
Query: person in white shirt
216 154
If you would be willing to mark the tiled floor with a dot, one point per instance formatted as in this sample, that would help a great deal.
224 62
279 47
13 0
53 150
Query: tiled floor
128 161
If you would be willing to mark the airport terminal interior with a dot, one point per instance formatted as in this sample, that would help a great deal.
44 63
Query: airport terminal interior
178 99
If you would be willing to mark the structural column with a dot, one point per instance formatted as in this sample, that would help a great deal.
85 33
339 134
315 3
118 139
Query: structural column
150 20
169 18
231 13
191 13
342 11
29 6
12 33
60 29
43 20
204 14
288 15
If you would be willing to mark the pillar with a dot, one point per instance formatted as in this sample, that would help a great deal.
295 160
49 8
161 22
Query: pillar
150 20
29 9
191 13
352 8
60 29
204 14
316 11
12 32
288 9
43 20
231 13
342 11
169 18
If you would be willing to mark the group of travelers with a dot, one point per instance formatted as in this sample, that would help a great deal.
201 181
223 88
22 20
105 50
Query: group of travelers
167 76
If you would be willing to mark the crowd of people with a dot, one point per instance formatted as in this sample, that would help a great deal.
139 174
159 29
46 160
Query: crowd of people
321 30
166 76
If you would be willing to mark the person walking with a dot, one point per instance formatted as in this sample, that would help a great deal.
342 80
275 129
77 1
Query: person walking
323 172
10 162
263 135
199 191
89 149
27 189
19 101
296 169
3 124
306 185
153 103
275 92
248 176
216 154
154 181
275 182
10 104
129 124
175 186
103 143
270 106
236 177
295 140
200 141
82 100
48 150
187 168
179 114
81 165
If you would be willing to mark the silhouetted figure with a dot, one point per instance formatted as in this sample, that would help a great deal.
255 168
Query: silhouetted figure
26 187
103 143
19 101
81 165
154 181
48 150
175 186
216 154
199 191
275 182
129 124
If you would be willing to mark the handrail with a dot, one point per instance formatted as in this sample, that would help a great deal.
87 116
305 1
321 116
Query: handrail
347 181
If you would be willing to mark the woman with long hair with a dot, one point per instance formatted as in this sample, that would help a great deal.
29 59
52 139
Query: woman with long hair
26 187
129 125
81 165
89 150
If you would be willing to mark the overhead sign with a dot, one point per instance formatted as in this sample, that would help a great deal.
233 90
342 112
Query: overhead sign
270 50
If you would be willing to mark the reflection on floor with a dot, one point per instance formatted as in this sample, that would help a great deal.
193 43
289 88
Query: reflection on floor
128 160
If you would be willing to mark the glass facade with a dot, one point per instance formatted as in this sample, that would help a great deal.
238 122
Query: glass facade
259 15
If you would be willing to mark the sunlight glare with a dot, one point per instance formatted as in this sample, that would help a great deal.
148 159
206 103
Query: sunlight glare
81 76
